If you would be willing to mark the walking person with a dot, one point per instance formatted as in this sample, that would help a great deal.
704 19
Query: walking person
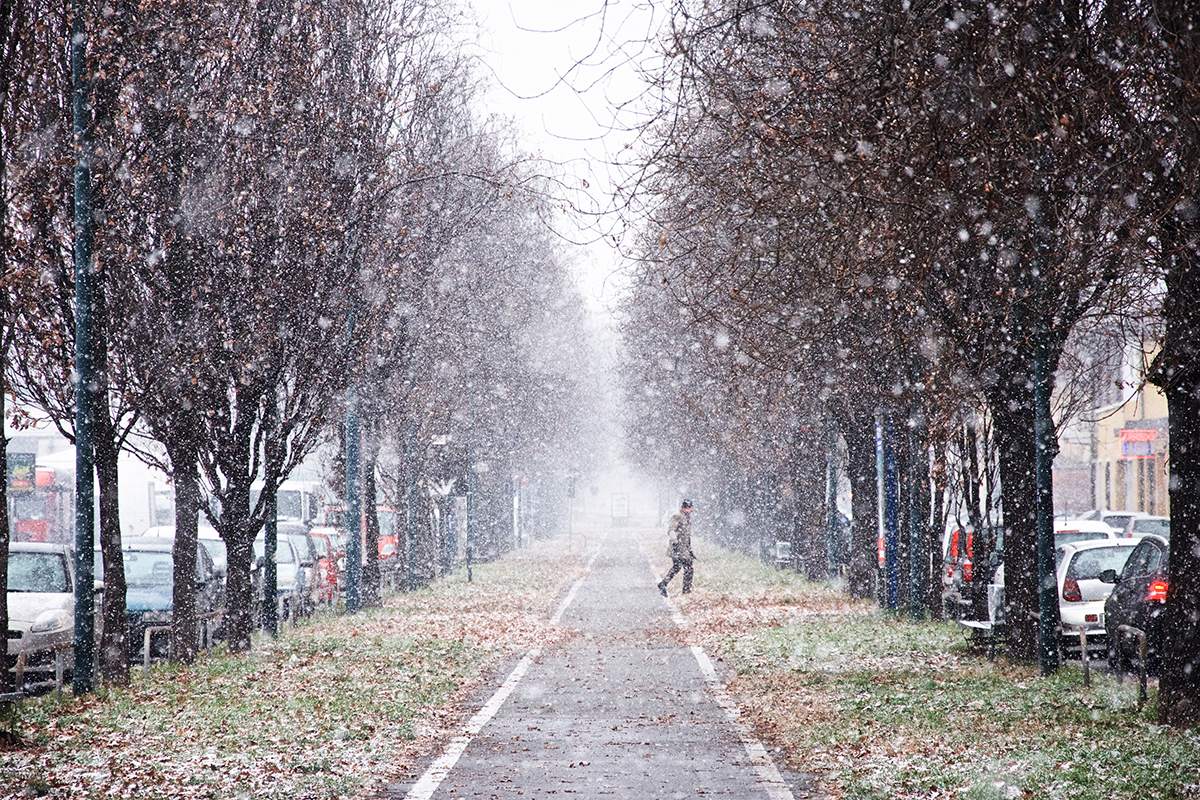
679 546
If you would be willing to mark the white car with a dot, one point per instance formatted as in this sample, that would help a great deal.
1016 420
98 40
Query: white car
1082 530
41 607
1081 593
1117 520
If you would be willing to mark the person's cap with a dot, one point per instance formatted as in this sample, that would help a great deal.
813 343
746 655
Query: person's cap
686 504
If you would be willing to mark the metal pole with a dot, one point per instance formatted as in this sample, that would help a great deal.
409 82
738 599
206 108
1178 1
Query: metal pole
893 521
85 461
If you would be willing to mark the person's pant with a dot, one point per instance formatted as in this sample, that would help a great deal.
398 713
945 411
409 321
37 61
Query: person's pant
678 564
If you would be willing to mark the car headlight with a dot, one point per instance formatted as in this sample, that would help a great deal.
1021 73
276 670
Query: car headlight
52 621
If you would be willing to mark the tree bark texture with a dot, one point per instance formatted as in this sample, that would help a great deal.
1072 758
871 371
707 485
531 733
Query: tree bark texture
1012 408
1177 371
184 622
6 678
114 636
371 590
858 430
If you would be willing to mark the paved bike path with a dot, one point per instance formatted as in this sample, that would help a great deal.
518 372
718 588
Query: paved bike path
621 710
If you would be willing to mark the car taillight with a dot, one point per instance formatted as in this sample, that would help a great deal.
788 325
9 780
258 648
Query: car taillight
968 570
1158 591
1071 591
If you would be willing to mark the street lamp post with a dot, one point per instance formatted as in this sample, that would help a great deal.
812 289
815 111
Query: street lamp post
85 459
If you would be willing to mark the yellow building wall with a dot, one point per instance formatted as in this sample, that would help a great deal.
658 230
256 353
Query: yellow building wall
1123 481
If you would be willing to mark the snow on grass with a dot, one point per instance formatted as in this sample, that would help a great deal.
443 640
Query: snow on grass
332 708
879 707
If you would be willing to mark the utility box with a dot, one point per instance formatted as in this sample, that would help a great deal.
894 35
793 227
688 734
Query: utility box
781 554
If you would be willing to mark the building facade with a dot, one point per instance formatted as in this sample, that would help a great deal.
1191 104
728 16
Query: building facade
1130 446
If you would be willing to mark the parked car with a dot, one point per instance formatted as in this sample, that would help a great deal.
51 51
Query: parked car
328 567
1138 596
1081 530
149 591
1140 526
309 556
1081 592
209 539
41 606
1117 520
335 517
289 577
337 541
968 561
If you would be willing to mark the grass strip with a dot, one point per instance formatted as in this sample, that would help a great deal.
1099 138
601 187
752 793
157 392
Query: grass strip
331 708
880 707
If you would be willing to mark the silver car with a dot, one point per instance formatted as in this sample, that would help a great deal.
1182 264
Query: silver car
41 607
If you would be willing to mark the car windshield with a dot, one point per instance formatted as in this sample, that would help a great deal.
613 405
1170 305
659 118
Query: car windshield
301 545
38 572
322 546
148 568
216 549
1088 564
283 553
1160 526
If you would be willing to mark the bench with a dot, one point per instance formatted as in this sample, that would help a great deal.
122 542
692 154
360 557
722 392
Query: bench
983 629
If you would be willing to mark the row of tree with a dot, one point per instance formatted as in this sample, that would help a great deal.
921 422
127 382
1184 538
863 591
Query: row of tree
292 204
921 210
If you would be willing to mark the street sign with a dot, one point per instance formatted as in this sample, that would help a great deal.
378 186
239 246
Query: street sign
620 506
22 473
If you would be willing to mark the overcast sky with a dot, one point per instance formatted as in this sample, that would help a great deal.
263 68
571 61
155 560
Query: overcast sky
563 69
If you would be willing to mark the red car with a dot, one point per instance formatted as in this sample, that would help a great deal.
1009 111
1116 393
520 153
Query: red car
327 565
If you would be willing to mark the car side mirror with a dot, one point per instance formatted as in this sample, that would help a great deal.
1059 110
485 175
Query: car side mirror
1110 576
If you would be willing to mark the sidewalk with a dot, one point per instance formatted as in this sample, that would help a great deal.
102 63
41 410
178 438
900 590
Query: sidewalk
620 709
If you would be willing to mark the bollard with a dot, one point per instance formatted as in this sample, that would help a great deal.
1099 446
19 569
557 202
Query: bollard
1129 630
1083 654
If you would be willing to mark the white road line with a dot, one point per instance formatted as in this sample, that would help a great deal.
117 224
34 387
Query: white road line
424 788
768 774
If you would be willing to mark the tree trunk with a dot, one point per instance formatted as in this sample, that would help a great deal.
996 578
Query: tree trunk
921 573
6 678
1177 370
114 638
114 624
901 446
184 624
859 432
371 593
1016 448
8 21
238 589
808 493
